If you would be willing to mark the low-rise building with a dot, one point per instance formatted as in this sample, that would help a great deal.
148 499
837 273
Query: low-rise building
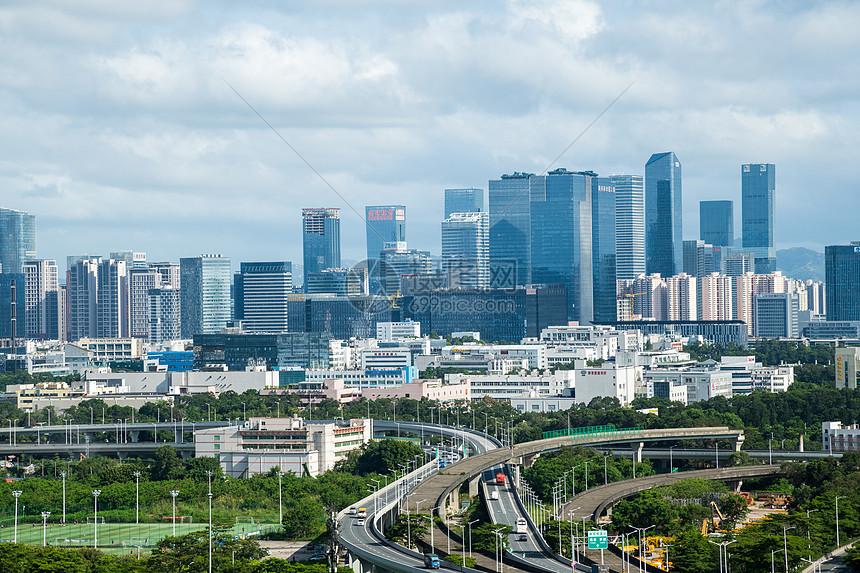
542 404
290 444
507 387
113 349
397 331
837 438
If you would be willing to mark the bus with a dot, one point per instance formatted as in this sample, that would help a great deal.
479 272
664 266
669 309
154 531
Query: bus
522 525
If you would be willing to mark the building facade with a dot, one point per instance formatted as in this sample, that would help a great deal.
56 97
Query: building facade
468 200
466 249
717 223
320 239
510 225
41 301
842 271
98 298
776 315
630 225
17 239
164 317
261 292
663 214
205 294
758 187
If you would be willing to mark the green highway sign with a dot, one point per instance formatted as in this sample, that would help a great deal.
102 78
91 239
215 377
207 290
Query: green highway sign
598 539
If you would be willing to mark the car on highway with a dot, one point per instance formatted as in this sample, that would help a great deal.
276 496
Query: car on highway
360 522
522 537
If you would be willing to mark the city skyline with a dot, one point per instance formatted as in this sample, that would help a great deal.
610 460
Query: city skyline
114 107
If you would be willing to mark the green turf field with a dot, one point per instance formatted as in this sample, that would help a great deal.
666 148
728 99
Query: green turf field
119 535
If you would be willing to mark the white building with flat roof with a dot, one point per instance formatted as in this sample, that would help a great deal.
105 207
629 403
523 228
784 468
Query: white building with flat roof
607 381
535 353
396 331
293 445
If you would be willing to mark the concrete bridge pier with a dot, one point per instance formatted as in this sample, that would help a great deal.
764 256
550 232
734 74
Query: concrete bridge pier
360 566
134 436
474 485
121 455
186 455
529 460
738 443
637 448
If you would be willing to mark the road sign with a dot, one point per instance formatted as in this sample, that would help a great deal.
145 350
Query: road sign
598 539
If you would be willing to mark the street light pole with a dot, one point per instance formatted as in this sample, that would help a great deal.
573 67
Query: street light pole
96 494
17 494
63 475
470 536
137 497
280 499
210 530
785 529
173 494
45 516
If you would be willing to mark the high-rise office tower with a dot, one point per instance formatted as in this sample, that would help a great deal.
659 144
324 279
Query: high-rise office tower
717 222
464 201
842 277
205 294
699 258
510 226
98 298
466 248
758 186
663 210
260 292
604 200
385 224
561 237
17 239
41 310
12 302
630 225
133 259
164 316
395 261
320 239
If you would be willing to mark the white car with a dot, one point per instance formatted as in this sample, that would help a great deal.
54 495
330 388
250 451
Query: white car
361 522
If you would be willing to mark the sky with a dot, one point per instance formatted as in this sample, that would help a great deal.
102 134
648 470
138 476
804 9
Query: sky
121 130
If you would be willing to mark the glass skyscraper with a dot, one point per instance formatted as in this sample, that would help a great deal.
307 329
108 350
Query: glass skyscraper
842 277
561 237
465 249
717 223
510 225
260 294
463 201
604 199
758 186
385 224
320 239
630 225
205 294
17 240
663 210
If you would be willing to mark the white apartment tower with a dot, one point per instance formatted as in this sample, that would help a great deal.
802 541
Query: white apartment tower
715 292
42 306
629 225
681 293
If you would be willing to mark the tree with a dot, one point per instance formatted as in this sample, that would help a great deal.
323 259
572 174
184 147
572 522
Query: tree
692 553
167 464
385 456
303 518
179 553
734 508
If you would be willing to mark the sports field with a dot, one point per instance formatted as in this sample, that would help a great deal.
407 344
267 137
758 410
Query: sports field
121 535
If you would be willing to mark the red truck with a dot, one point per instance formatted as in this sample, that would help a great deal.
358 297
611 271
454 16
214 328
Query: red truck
500 479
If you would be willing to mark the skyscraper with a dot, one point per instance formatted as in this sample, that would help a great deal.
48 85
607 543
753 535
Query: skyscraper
385 224
717 222
140 282
758 187
17 239
466 249
395 260
261 291
205 294
320 239
630 225
41 300
12 315
464 201
510 225
561 237
604 200
663 210
698 258
842 277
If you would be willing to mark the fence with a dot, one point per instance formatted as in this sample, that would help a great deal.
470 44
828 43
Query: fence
608 430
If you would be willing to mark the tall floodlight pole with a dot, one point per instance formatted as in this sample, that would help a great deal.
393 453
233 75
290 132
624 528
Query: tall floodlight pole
17 494
210 530
280 499
45 516
838 497
173 494
63 475
137 497
96 494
